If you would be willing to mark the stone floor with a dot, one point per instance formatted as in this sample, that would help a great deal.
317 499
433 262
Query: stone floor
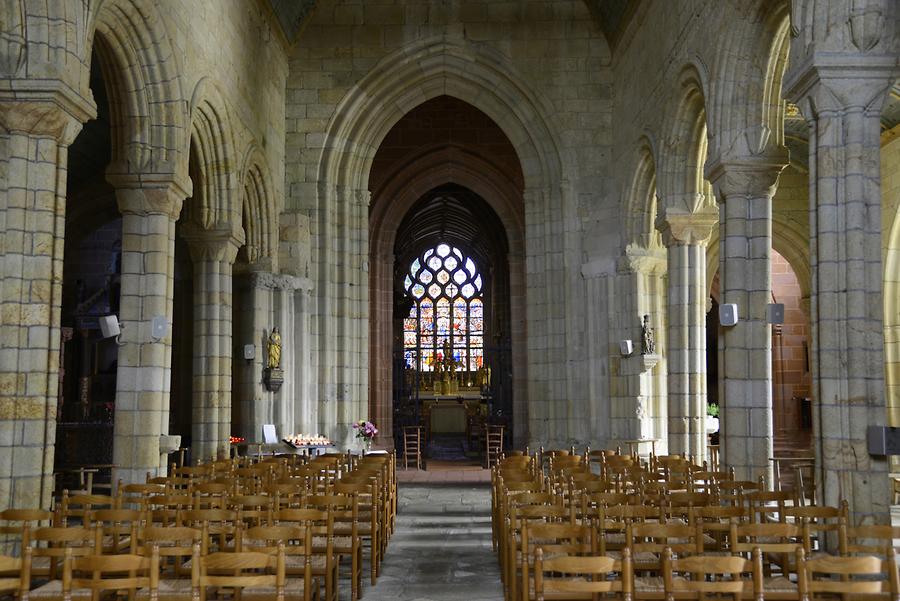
441 550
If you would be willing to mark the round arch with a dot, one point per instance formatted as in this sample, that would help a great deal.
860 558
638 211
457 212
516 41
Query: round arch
213 142
148 109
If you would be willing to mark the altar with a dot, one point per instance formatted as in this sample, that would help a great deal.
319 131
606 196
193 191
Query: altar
450 415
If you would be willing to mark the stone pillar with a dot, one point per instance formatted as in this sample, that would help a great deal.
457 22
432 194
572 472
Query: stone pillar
34 140
686 236
744 188
213 253
637 406
843 105
149 206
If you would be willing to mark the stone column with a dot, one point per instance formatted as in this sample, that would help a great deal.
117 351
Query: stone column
34 140
637 408
744 188
686 236
149 206
843 105
213 253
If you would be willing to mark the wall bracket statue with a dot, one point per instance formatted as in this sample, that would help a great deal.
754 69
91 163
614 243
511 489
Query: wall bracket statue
273 375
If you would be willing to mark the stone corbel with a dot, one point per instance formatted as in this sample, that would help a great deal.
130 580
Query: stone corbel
645 363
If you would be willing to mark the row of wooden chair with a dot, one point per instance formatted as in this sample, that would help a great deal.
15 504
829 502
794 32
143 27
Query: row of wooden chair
568 576
341 502
645 508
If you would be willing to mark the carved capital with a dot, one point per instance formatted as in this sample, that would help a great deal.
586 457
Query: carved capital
149 194
753 176
275 281
219 244
680 228
641 260
47 108
39 119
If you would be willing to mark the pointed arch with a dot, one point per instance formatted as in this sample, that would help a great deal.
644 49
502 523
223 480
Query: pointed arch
640 210
682 184
745 110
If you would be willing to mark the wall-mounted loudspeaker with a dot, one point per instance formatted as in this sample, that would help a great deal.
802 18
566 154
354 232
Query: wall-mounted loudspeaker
775 313
626 347
728 314
109 326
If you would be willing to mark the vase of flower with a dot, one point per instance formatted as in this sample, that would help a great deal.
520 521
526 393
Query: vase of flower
365 434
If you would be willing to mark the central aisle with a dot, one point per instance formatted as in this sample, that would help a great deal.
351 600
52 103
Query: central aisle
441 550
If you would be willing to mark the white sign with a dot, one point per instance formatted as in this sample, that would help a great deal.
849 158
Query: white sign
269 436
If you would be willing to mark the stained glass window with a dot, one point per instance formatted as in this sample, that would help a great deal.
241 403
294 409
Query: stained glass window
448 306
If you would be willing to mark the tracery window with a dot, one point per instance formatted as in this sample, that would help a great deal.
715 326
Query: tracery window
448 309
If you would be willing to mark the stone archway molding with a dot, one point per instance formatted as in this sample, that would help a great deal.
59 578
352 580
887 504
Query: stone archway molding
403 80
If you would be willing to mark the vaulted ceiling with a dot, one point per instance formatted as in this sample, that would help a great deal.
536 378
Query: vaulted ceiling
611 15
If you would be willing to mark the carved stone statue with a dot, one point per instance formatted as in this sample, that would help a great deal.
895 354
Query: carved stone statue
648 347
274 350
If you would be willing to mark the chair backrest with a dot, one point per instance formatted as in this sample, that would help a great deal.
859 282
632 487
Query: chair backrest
15 574
869 540
99 573
702 575
17 524
54 541
241 570
581 577
174 544
857 576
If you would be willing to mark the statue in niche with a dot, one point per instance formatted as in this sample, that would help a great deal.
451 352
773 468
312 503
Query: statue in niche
274 360
648 347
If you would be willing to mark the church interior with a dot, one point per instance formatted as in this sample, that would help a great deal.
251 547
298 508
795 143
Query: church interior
565 247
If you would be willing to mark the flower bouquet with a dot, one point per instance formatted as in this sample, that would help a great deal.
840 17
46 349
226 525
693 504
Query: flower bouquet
365 431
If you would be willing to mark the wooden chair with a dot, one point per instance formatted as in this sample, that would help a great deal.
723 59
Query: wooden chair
776 541
869 540
554 539
703 576
252 576
17 524
366 495
297 545
220 524
15 575
821 525
178 571
514 551
344 511
324 557
412 446
579 578
494 444
856 577
90 576
117 528
49 546
648 540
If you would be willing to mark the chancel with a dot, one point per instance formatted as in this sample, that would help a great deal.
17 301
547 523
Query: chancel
601 264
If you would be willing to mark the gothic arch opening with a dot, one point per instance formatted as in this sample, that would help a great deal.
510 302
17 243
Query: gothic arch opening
446 174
